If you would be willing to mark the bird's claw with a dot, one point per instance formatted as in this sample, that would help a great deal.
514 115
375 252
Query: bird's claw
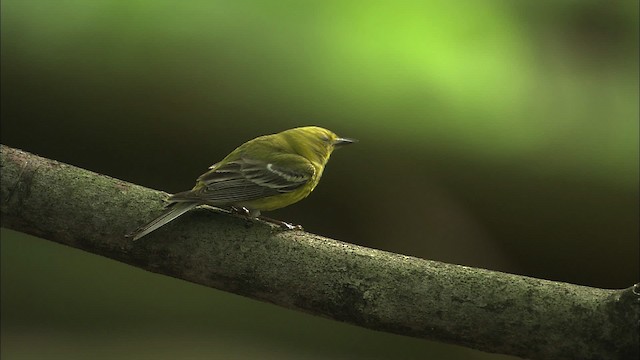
288 226
240 210
243 211
255 214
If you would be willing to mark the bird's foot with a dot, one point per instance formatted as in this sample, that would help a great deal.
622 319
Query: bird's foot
243 211
255 214
284 225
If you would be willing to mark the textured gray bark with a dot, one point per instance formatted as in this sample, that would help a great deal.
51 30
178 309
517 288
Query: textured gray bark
477 308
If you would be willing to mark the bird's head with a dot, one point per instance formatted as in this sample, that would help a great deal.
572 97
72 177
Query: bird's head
315 143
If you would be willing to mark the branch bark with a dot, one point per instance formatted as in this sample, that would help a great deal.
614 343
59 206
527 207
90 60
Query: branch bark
477 308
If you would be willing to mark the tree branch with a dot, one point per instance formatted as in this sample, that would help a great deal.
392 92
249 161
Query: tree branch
481 309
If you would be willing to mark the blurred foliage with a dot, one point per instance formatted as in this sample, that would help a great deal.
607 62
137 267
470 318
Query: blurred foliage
500 134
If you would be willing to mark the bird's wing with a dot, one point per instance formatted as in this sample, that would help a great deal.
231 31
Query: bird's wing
248 179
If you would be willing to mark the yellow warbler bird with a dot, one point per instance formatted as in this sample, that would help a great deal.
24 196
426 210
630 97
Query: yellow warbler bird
266 173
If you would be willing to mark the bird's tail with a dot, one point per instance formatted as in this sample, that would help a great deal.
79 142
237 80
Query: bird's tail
175 210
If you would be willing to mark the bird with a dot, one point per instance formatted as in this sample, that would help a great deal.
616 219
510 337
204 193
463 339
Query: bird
263 174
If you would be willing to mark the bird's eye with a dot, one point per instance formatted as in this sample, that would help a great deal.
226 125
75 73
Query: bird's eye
325 138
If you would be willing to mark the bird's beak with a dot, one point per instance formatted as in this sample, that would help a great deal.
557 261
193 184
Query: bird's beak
343 141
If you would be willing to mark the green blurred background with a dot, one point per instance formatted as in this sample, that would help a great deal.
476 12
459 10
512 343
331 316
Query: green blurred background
496 134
